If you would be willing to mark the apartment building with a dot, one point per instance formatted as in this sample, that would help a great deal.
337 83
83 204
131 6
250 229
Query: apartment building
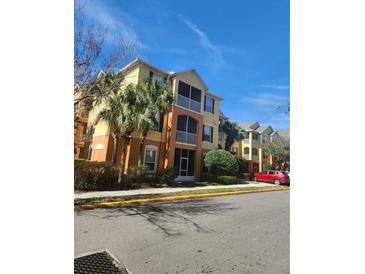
80 128
183 135
251 147
221 135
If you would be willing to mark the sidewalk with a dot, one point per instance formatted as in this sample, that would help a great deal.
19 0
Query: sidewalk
121 193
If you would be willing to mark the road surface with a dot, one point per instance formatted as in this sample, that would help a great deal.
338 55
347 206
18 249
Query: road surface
231 234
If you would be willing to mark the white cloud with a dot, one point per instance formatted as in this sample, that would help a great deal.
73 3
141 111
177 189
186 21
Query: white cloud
116 22
215 51
275 86
267 100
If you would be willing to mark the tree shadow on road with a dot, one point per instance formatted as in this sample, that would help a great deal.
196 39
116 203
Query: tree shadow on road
173 218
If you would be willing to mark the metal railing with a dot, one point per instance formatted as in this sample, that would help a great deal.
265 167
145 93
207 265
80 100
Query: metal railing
246 141
246 156
255 157
186 137
188 103
255 141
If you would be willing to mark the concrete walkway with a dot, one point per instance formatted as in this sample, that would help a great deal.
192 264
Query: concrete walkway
104 194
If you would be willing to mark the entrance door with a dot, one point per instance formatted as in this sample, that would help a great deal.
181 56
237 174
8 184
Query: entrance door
184 163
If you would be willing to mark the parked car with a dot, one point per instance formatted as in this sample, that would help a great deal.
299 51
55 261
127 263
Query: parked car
276 176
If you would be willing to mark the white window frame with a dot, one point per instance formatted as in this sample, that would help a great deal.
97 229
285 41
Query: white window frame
157 77
211 106
211 133
151 148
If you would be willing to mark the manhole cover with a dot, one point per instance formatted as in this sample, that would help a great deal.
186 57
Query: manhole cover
99 262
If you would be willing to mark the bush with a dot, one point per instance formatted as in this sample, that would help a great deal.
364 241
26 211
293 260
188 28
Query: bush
167 176
221 162
139 175
267 166
242 168
226 180
208 177
136 176
91 176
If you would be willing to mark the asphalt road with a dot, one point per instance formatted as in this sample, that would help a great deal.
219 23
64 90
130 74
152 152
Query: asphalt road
231 234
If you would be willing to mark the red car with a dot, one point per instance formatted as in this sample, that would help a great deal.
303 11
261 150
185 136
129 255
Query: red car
276 176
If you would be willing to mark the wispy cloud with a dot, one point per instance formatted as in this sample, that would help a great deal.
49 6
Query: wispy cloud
117 22
267 100
265 106
215 51
275 86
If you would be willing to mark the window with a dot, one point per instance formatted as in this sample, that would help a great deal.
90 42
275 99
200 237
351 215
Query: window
271 172
186 130
189 97
246 150
159 120
157 77
254 151
255 136
208 104
207 133
76 107
196 94
150 155
184 89
187 124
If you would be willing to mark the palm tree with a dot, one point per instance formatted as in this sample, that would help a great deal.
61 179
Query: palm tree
119 113
233 132
156 99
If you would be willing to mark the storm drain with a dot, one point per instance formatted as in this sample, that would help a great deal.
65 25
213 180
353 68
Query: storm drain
100 262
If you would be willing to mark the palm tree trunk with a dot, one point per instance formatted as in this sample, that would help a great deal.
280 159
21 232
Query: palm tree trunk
115 147
122 160
141 146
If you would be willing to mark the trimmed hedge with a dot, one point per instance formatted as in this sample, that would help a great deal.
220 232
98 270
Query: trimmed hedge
98 176
221 162
90 175
226 180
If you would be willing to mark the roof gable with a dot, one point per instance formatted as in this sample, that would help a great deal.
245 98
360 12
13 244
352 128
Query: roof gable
192 73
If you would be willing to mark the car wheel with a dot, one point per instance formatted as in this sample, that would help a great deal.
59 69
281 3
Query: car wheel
277 182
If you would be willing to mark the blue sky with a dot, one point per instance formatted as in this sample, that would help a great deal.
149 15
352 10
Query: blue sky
240 48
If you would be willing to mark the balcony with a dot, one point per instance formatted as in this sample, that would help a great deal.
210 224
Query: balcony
246 141
185 137
255 158
246 156
188 103
255 142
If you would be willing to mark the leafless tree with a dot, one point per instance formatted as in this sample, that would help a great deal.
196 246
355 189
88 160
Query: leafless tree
95 58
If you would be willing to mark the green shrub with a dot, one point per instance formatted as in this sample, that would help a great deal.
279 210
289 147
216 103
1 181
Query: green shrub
267 166
226 180
91 176
242 168
137 175
208 177
221 162
167 176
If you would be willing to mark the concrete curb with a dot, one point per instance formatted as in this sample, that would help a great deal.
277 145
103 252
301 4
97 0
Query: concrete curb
172 198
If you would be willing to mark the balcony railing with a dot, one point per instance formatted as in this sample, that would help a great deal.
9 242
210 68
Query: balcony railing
246 156
188 103
185 137
255 141
255 158
246 141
